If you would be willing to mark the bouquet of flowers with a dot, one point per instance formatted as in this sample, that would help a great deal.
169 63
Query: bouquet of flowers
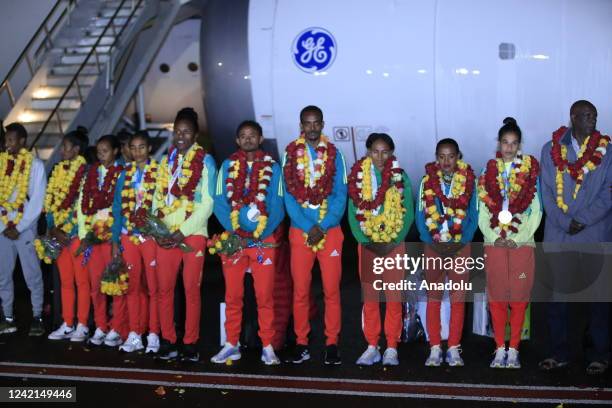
47 248
225 244
115 278
230 244
152 226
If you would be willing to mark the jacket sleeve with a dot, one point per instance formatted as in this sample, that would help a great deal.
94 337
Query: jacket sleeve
222 207
336 203
80 216
470 223
360 237
118 219
203 201
36 192
531 223
274 202
549 192
599 208
294 209
420 218
409 206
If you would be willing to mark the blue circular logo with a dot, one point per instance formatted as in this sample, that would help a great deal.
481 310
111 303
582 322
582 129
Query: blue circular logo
314 50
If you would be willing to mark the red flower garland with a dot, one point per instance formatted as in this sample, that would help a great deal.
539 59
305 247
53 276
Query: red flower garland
386 175
95 198
73 191
295 184
589 154
454 203
188 190
236 187
518 203
137 217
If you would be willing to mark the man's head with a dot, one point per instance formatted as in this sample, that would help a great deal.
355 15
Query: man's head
584 118
15 138
311 122
124 139
249 136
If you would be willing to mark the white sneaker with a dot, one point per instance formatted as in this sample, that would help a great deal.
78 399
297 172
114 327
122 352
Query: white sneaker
98 338
369 357
435 357
513 359
453 358
268 356
80 334
113 339
499 361
63 332
228 352
152 343
390 357
132 343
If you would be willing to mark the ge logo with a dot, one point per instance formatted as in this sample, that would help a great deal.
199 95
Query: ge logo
314 50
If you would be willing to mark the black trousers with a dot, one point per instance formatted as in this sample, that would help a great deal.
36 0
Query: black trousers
576 272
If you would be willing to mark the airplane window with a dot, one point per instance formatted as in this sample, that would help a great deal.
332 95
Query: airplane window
507 51
165 68
192 66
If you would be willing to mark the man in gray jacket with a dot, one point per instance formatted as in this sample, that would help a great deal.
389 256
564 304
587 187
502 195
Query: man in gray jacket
578 232
18 228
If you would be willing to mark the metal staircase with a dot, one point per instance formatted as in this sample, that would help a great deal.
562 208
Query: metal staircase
79 65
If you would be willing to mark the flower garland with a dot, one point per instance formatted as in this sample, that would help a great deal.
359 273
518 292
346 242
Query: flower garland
306 188
97 201
14 173
522 183
589 157
136 203
249 191
455 206
184 188
385 226
297 171
63 192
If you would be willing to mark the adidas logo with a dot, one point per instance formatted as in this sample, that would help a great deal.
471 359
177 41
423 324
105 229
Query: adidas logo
522 276
335 253
199 254
268 261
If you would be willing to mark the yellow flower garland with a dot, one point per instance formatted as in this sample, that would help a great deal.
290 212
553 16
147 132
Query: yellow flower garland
128 194
163 180
19 179
458 188
392 217
262 222
58 188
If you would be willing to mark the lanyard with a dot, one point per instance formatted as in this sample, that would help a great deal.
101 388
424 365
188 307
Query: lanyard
506 191
447 190
374 186
311 166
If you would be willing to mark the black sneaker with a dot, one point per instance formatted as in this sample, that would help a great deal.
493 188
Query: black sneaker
36 328
332 356
167 351
190 353
300 354
7 326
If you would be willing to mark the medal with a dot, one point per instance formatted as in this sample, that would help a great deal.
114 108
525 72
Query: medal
505 217
253 213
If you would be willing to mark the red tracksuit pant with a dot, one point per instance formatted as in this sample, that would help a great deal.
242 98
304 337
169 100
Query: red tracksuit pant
510 274
168 262
434 298
130 307
371 306
330 261
100 258
234 269
71 271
